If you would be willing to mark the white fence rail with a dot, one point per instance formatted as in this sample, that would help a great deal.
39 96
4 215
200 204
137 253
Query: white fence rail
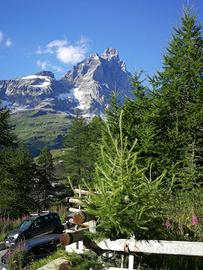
184 248
128 246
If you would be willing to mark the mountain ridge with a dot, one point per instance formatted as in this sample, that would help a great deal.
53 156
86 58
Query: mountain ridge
87 87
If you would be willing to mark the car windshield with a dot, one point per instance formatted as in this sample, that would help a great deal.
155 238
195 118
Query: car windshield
25 224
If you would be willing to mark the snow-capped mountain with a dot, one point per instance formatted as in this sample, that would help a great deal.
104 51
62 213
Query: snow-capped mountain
87 87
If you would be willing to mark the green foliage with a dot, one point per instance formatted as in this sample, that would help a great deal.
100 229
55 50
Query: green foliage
138 120
182 209
123 199
113 111
167 121
95 128
85 261
45 173
17 260
82 141
178 95
17 177
6 136
7 224
77 144
60 163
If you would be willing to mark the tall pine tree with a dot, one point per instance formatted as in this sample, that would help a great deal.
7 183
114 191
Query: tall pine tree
7 138
179 96
138 118
76 141
45 177
82 142
17 182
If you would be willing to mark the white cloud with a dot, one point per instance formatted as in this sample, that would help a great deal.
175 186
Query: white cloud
42 64
57 68
8 43
1 37
57 43
64 51
70 54
45 65
39 50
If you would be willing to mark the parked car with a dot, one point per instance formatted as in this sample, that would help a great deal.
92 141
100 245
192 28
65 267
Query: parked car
34 226
33 249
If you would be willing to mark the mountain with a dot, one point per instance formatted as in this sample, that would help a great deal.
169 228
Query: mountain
42 106
87 87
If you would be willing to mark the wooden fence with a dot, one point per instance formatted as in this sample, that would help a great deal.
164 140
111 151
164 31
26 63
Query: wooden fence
74 239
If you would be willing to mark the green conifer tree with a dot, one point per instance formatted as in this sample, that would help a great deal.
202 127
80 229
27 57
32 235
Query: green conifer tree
179 95
45 177
7 138
76 141
95 129
17 182
138 117
113 111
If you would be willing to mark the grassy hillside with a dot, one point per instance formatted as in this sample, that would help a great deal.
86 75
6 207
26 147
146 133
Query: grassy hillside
38 129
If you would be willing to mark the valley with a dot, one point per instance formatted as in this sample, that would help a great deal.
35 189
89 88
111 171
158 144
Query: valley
38 130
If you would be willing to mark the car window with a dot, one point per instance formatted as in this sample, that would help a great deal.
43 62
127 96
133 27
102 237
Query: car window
46 220
41 221
50 217
35 224
56 217
25 224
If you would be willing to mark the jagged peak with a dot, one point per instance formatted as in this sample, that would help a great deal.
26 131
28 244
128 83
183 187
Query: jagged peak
110 53
94 55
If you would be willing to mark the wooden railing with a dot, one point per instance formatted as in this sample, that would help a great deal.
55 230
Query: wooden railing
74 240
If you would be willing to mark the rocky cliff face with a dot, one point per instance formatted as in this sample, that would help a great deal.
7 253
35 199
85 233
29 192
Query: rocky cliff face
87 87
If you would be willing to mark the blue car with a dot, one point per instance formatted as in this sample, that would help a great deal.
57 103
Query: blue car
34 226
33 249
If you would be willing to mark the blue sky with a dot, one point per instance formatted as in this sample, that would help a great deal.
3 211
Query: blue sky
56 34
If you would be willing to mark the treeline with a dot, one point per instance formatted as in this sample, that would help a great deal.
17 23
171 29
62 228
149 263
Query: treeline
82 149
28 184
25 184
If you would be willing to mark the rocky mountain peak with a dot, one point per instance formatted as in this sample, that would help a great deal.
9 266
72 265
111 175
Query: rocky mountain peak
94 56
87 86
110 53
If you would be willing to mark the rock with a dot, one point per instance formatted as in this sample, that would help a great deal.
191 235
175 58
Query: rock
87 87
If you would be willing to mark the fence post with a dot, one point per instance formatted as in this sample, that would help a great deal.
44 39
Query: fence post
130 262
122 261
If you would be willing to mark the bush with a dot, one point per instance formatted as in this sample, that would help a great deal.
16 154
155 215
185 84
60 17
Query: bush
7 224
85 261
17 260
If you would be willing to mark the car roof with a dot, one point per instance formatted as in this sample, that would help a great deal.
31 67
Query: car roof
42 214
29 218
